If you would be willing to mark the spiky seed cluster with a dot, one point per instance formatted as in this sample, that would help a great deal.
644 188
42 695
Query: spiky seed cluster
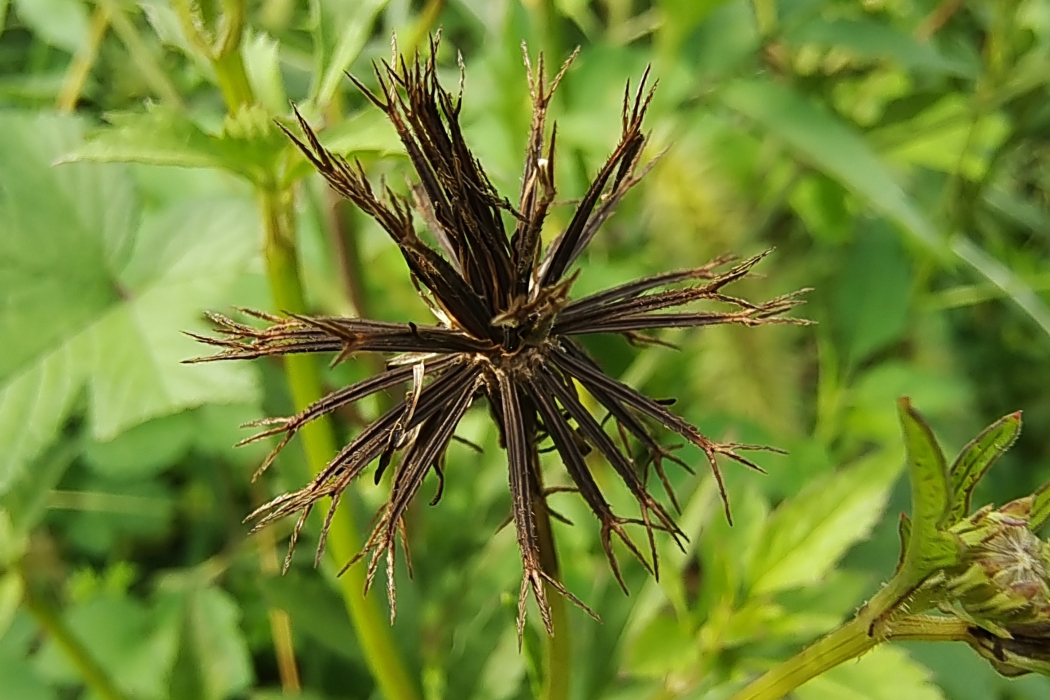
506 328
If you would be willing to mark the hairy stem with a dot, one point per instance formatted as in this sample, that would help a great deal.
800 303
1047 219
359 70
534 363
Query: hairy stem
847 642
868 629
92 673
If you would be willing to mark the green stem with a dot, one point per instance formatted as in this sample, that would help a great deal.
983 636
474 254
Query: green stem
927 628
423 27
94 676
847 642
558 666
80 67
233 80
304 381
864 632
766 17
141 54
318 438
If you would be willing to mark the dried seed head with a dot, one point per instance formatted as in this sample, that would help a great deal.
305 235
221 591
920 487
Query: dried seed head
508 330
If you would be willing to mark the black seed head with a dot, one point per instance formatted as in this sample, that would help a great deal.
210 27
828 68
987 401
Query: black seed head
507 330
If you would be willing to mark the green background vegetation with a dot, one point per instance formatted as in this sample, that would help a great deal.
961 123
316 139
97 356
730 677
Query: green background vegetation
894 151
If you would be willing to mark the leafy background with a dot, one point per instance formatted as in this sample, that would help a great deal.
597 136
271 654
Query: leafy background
894 151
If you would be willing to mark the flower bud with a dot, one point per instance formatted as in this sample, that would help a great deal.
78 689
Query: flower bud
1001 582
1028 651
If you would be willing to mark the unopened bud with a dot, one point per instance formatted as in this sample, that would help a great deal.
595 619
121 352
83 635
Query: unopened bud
1002 580
1028 651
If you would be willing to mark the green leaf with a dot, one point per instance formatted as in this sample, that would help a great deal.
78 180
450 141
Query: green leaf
262 61
768 621
928 547
1004 278
61 23
22 682
947 136
164 22
335 53
159 136
682 17
874 40
928 469
821 204
213 662
665 645
133 646
873 293
806 535
885 673
834 147
1040 508
145 450
26 499
367 130
976 458
249 145
96 299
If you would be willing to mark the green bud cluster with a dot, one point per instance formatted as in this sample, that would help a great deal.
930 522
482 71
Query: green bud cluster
1001 580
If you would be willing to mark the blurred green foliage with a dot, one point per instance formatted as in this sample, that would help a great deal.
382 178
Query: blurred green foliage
894 151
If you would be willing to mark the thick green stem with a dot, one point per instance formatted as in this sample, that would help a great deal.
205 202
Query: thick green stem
304 379
93 675
558 652
864 632
233 80
318 438
847 642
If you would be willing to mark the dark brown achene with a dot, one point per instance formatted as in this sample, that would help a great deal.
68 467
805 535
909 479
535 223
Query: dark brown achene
506 328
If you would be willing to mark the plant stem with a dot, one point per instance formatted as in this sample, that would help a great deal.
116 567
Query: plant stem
304 382
428 17
233 80
94 676
141 54
318 438
847 642
558 666
864 632
280 621
80 67
766 17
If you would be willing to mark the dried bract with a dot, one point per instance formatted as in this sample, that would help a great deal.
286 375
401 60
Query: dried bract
506 330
